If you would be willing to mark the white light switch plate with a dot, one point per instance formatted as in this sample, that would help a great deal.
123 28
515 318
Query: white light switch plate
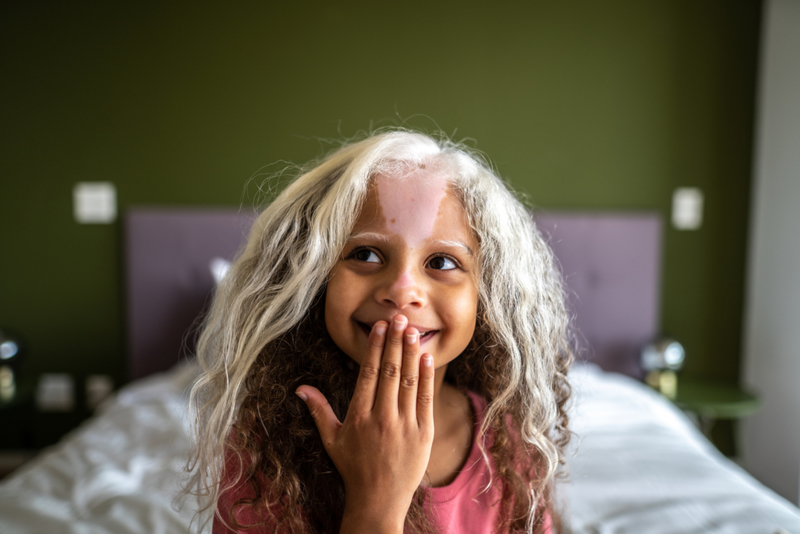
94 202
687 208
55 393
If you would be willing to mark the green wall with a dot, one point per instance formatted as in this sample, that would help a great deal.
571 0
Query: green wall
607 105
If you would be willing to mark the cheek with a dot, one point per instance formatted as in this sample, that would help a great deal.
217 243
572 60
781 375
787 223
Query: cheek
333 306
471 303
338 310
330 313
468 301
333 323
464 315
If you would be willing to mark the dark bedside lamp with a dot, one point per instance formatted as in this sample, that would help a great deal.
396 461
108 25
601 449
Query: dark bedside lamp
10 355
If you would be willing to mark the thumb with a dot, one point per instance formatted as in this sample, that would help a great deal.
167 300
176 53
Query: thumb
327 422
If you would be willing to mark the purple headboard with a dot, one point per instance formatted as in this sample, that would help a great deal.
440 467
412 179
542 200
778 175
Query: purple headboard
168 277
611 264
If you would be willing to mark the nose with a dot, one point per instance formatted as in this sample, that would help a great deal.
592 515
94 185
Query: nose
402 288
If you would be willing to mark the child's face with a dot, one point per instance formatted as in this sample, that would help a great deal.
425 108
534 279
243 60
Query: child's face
411 252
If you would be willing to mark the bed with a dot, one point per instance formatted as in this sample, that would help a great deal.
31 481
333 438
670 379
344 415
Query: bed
637 463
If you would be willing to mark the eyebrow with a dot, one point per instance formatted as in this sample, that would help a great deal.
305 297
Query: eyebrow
383 238
371 236
456 244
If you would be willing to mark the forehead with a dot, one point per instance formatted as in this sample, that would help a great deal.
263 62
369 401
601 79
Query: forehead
418 206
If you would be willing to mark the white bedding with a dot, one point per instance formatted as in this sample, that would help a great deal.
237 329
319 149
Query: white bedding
118 473
640 467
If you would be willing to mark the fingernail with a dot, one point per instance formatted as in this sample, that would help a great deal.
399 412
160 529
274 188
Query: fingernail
380 329
427 360
399 326
412 338
301 395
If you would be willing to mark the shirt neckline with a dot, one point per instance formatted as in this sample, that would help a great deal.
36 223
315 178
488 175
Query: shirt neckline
474 461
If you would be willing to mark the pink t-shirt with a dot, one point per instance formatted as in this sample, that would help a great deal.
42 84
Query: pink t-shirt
461 507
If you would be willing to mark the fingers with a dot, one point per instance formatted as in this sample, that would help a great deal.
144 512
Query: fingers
391 376
409 375
327 422
425 391
367 384
391 366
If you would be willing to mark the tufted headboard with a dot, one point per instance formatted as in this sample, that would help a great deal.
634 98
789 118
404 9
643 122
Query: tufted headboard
611 264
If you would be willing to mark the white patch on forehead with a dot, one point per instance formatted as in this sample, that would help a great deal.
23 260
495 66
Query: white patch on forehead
410 205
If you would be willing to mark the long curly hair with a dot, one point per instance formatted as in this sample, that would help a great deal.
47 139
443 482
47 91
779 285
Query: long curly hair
265 335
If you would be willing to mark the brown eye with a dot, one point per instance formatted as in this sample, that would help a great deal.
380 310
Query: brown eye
366 255
442 263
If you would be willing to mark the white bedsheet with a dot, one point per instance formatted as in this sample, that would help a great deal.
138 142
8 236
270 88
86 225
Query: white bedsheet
118 473
640 467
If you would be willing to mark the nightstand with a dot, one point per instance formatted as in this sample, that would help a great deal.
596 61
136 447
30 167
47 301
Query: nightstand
26 430
712 401
16 438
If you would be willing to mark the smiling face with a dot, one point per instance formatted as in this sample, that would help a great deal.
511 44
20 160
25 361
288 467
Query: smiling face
411 252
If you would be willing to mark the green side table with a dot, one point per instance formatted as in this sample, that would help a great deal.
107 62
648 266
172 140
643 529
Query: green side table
711 401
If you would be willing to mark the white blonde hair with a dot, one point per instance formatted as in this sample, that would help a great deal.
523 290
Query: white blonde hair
298 238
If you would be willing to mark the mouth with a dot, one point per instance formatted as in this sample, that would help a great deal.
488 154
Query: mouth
424 335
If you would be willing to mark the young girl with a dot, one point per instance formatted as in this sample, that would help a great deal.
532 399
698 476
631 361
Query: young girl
388 354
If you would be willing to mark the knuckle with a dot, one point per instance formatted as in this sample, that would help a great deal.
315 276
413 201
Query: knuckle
358 420
425 399
390 369
385 425
395 341
410 351
376 342
369 371
317 410
409 381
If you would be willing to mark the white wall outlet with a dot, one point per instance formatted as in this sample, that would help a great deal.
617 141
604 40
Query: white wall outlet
98 388
687 208
55 393
94 202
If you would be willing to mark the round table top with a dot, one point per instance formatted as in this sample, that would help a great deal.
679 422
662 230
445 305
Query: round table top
715 399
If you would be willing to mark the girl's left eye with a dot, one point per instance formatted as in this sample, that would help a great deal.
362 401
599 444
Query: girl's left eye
442 263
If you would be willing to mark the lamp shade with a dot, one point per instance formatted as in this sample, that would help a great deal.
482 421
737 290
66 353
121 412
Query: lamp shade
663 354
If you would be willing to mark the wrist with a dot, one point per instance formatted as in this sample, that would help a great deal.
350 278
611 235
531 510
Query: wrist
372 519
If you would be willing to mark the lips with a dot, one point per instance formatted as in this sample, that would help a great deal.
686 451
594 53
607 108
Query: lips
424 335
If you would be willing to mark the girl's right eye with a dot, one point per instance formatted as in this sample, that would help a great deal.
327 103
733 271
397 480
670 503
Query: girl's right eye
366 255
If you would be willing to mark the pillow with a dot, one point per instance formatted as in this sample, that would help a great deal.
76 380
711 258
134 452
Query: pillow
219 268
